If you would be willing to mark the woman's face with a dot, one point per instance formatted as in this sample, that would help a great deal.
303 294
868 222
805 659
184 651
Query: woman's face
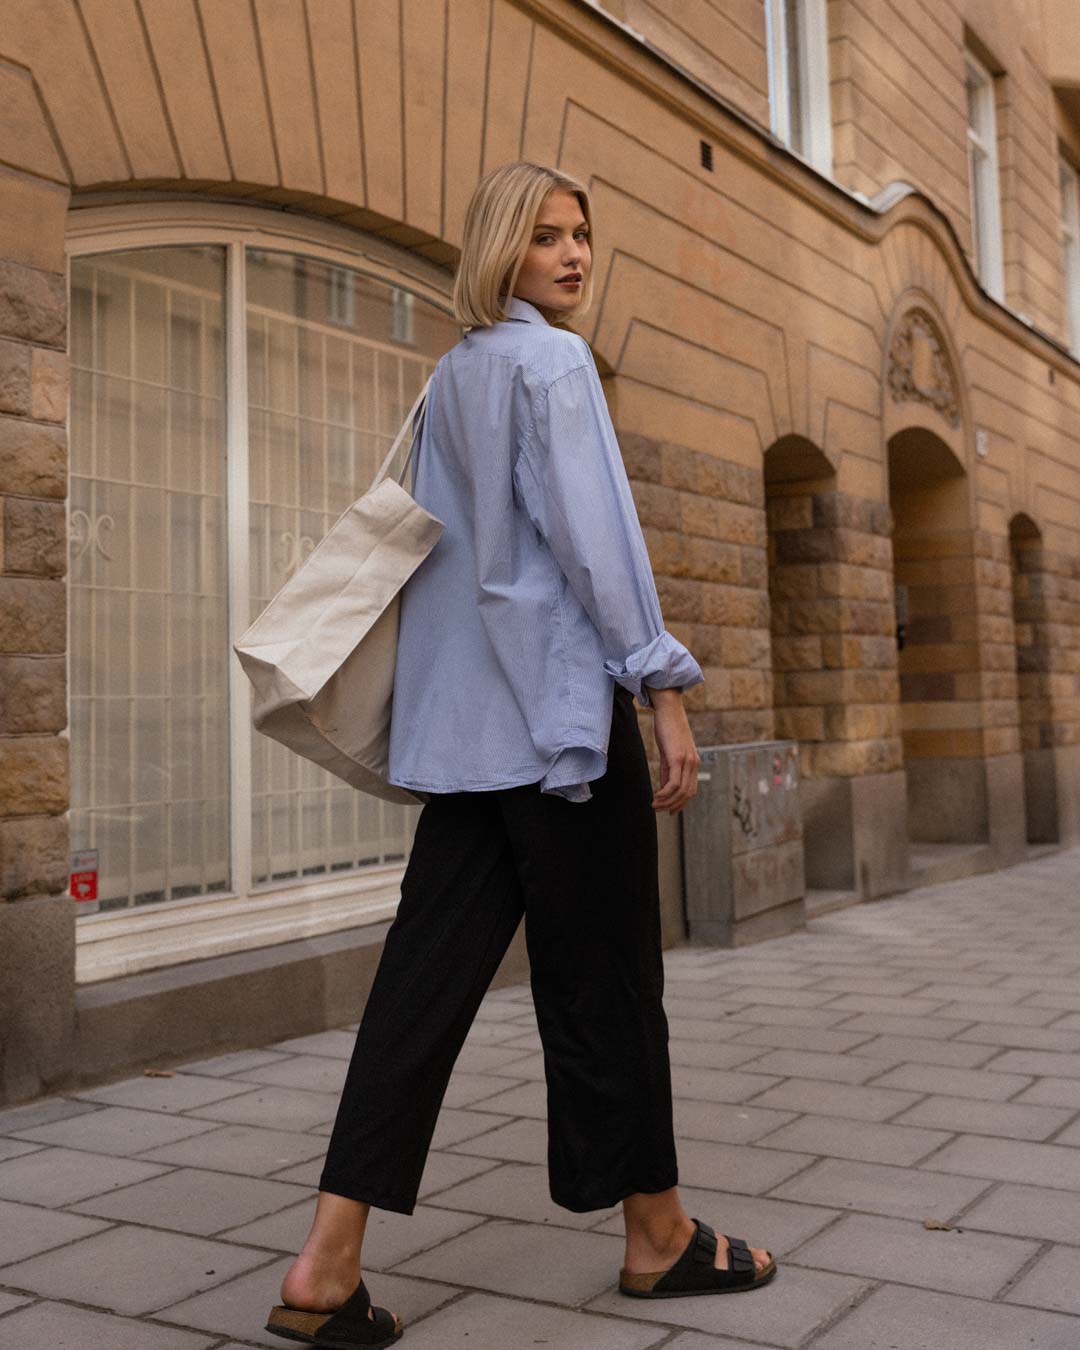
559 250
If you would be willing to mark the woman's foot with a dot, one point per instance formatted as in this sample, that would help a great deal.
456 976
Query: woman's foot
327 1271
647 1252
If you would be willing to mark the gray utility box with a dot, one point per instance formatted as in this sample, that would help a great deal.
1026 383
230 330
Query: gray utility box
743 845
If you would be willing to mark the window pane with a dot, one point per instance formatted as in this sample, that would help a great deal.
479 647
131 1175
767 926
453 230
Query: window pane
333 369
795 49
148 631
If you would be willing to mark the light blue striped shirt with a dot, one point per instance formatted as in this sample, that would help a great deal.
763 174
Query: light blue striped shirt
539 594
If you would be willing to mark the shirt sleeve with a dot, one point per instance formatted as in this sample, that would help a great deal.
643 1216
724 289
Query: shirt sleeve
572 483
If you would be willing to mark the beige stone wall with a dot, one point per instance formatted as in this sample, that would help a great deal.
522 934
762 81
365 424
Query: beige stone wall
737 308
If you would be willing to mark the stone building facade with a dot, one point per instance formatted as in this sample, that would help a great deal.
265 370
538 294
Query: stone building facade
837 317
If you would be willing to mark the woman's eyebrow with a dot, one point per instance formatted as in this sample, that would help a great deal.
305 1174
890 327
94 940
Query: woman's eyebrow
542 226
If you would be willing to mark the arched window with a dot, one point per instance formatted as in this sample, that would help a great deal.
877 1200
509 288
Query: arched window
235 385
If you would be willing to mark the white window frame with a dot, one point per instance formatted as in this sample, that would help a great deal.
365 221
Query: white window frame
811 59
984 180
125 941
1070 247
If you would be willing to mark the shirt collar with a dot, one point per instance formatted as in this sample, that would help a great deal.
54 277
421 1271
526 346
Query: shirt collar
523 311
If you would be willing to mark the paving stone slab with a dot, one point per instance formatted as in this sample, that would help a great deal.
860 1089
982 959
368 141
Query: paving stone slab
904 1252
487 1322
527 1099
131 1270
782 997
10 1301
516 1191
493 1059
449 1169
772 1016
712 1055
891 1317
525 1259
834 1068
26 1230
876 1188
1016 1015
117 1130
220 1066
240 1148
1027 1211
964 1116
59 1326
718 1085
240 1308
42 1113
314 1073
957 992
466 1089
1053 1282
1042 1063
193 1201
861 1140
782 1313
15 1148
1009 1160
776 1225
701 1029
58 1176
453 1125
1021 1037
280 1108
803 1038
496 1010
518 1141
853 1101
1052 1092
334 1044
894 985
924 1050
493 1033
982 1084
885 1024
908 1007
736 1167
178 1093
725 1123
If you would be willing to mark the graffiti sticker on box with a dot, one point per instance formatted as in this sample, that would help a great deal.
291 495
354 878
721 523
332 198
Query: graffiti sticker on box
84 875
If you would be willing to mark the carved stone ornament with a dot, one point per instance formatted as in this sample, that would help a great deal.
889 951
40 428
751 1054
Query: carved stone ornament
919 369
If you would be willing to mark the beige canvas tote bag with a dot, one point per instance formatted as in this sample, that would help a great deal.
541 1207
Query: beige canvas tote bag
321 655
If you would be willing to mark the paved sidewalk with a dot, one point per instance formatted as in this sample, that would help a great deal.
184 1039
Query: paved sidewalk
912 1060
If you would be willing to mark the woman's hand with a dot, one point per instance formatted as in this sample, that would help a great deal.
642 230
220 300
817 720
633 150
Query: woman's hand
679 758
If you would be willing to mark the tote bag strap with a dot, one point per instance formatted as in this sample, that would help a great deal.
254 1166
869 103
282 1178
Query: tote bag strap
421 398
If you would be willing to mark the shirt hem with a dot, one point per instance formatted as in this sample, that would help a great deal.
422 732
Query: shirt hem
536 775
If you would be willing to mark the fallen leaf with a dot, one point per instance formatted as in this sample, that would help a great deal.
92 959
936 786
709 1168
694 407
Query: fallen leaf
158 1073
937 1223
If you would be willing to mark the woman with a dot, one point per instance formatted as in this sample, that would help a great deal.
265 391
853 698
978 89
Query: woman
524 637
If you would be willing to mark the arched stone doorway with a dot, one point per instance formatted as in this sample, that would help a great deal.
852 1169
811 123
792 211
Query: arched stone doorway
1032 588
834 670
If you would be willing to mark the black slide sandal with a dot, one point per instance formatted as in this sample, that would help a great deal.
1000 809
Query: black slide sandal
695 1273
343 1329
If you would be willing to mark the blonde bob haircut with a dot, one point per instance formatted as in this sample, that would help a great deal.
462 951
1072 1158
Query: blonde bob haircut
498 232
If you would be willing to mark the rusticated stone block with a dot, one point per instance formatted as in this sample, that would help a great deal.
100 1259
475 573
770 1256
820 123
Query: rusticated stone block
33 856
33 775
800 724
736 606
680 555
952 744
34 536
33 459
748 648
682 599
797 653
656 505
755 567
718 519
33 304
796 581
790 513
14 378
751 689
862 722
32 694
33 615
48 385
805 546
847 759
745 724
641 456
928 687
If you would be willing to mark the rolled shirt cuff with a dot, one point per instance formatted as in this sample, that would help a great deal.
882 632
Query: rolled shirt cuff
664 664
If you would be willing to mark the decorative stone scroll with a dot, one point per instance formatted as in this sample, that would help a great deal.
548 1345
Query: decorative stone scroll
919 368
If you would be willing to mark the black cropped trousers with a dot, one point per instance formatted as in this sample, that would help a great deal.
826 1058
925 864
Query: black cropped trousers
584 875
